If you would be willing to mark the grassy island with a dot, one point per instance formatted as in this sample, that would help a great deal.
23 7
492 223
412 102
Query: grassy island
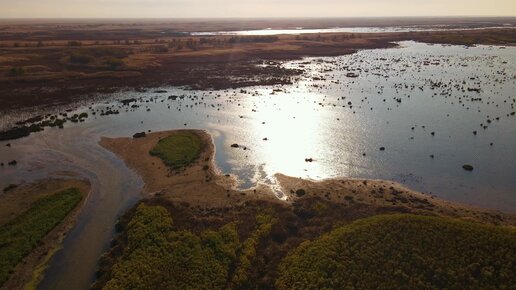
178 150
24 233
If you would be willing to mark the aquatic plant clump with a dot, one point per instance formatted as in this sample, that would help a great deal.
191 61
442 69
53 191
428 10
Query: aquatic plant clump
404 252
178 150
25 232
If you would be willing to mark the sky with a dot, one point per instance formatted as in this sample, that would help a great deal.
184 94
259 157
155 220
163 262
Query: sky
251 8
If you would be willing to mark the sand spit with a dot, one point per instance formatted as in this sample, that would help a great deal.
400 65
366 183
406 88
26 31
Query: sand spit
203 185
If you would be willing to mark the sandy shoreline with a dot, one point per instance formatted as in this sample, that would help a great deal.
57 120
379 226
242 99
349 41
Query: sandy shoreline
30 271
209 188
194 184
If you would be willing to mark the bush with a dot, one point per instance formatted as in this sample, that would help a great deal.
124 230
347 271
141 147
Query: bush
247 251
159 49
74 43
404 252
113 63
107 51
21 235
157 257
80 58
19 132
109 56
16 71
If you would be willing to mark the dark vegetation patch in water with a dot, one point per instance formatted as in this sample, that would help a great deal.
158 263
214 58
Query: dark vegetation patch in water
38 124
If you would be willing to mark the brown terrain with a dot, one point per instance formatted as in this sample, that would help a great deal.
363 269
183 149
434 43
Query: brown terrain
18 200
53 64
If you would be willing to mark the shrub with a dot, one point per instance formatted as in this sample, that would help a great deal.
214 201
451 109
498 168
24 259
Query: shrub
74 43
21 235
157 257
404 252
113 63
247 251
80 58
159 48
16 71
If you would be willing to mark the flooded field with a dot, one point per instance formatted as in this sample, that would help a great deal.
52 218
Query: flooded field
301 30
414 114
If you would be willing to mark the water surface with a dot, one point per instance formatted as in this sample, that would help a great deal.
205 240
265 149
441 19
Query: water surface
301 30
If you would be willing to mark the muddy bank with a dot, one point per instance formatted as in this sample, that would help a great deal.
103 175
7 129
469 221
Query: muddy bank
201 183
30 271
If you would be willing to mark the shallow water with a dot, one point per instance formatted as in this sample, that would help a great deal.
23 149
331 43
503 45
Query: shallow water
301 30
115 188
395 89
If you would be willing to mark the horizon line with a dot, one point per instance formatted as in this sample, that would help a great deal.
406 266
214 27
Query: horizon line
264 17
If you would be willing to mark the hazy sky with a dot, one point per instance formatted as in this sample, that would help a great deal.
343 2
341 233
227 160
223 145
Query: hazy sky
254 8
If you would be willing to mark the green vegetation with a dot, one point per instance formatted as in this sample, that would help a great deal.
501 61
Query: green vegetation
178 150
404 252
264 224
157 256
21 235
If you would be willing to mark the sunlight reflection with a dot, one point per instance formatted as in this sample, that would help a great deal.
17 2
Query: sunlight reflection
293 129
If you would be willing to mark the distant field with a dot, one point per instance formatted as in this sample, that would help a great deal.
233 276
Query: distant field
24 233
404 252
178 150
77 59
